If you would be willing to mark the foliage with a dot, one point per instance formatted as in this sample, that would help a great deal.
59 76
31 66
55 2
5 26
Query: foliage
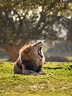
25 20
16 26
57 82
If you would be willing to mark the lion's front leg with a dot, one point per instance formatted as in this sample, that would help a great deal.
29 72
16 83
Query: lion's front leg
28 72
42 73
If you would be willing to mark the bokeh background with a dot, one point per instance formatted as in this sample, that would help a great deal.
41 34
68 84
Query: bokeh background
29 21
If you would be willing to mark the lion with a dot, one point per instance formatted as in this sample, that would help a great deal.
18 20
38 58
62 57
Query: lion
30 60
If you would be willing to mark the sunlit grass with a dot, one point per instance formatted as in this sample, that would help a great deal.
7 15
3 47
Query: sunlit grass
69 57
58 82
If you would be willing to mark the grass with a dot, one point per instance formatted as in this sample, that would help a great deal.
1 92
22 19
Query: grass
58 82
69 57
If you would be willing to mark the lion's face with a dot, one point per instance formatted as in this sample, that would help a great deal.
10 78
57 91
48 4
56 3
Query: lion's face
32 52
36 50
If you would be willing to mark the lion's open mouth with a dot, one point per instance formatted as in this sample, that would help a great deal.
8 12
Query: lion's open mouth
40 53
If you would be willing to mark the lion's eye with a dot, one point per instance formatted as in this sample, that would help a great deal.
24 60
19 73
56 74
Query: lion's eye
34 45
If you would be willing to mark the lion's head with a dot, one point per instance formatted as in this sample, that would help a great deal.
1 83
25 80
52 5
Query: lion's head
33 53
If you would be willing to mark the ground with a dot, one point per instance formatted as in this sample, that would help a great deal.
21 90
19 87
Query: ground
58 82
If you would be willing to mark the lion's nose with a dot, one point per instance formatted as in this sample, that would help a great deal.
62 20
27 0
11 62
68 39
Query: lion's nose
40 43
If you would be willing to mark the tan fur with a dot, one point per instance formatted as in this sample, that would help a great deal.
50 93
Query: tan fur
29 53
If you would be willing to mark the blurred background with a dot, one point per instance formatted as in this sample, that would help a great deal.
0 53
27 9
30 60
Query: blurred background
24 21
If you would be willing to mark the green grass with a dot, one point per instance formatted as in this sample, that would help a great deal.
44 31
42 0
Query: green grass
58 82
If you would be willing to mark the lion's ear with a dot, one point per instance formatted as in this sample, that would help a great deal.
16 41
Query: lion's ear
27 50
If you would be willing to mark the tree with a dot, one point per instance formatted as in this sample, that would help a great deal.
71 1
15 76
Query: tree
25 20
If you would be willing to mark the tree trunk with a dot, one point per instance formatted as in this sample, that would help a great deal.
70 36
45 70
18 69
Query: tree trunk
12 52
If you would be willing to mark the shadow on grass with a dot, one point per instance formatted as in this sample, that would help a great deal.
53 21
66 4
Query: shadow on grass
55 68
69 67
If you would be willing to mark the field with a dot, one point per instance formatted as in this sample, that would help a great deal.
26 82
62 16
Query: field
58 82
